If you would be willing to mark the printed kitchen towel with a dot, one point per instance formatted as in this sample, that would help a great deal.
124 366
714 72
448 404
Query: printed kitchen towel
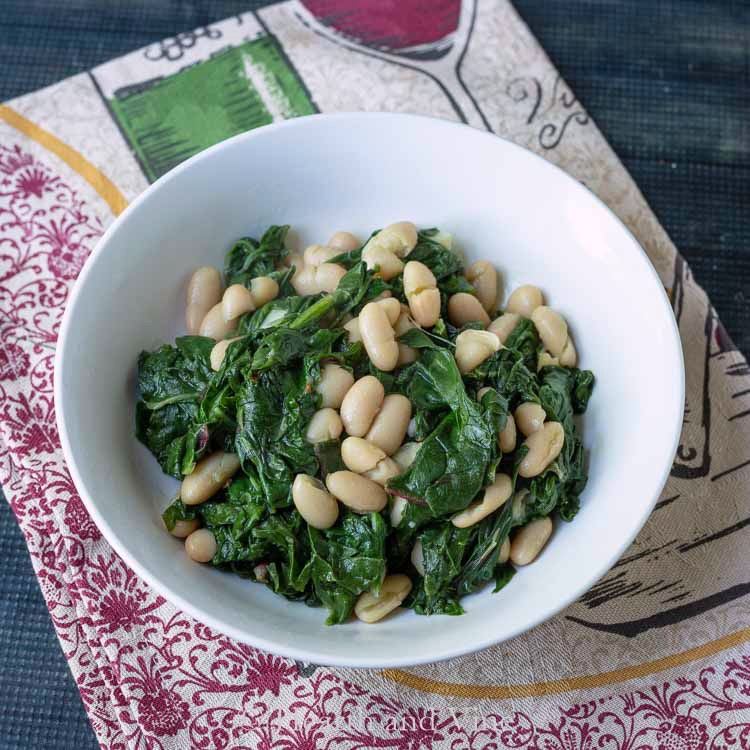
657 654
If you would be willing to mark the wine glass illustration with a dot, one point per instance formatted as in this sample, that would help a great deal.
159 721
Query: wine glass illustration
429 36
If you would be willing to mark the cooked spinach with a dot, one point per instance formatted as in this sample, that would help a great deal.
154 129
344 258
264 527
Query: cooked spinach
259 403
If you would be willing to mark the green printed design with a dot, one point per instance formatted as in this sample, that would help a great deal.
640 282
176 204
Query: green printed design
245 87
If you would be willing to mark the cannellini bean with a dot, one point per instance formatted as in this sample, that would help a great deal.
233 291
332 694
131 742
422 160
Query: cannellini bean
473 347
214 326
378 336
371 607
295 259
507 436
483 277
360 455
237 300
465 308
398 506
385 470
317 279
530 540
503 326
184 529
417 557
209 476
420 288
504 554
406 354
388 263
343 242
352 328
569 356
525 300
553 330
358 493
399 238
201 546
389 426
529 417
391 306
314 255
545 360
203 292
335 381
260 571
406 454
219 351
544 447
494 496
360 405
263 289
317 506
324 425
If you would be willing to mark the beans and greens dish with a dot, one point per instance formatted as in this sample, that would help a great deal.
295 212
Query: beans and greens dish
365 427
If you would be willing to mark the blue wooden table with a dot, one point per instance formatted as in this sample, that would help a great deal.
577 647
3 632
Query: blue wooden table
667 82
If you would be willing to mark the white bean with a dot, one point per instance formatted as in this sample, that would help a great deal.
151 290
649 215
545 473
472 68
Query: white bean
317 506
263 289
495 495
385 470
209 476
201 546
378 336
569 356
406 354
544 447
343 242
317 279
503 326
473 347
420 288
483 277
507 437
417 557
184 529
398 506
373 607
504 554
406 454
360 455
237 300
203 292
391 306
214 326
389 426
525 300
335 382
352 328
360 405
358 493
399 238
314 255
324 425
529 541
529 417
388 263
219 351
553 330
546 360
465 308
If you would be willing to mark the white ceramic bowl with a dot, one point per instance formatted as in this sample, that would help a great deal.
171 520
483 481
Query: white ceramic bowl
356 172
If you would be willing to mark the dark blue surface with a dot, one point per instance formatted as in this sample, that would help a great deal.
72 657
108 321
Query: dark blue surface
667 82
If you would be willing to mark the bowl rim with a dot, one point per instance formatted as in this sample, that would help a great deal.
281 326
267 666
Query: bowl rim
280 646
